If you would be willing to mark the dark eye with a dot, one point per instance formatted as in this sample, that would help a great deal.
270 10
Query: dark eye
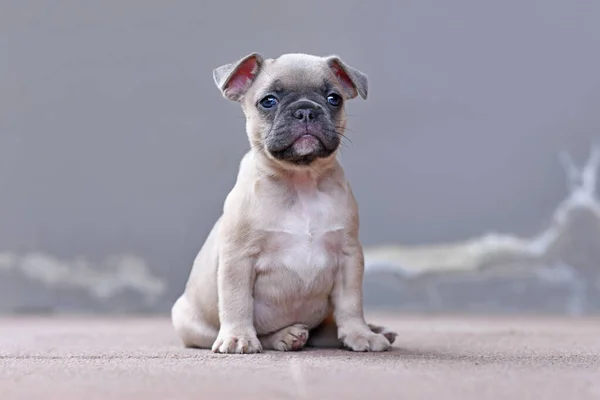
269 102
334 99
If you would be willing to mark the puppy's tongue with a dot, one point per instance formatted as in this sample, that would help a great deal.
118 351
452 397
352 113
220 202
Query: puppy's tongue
306 144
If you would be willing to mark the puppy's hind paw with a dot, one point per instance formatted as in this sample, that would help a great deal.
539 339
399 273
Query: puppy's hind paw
290 338
388 333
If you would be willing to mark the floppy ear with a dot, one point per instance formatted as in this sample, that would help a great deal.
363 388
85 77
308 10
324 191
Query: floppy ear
353 81
235 78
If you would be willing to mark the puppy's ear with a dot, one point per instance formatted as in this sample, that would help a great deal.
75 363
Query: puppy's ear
353 81
235 78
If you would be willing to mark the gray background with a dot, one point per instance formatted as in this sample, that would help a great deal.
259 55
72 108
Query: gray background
114 139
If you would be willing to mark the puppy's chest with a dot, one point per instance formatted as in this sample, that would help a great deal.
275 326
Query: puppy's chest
306 238
298 261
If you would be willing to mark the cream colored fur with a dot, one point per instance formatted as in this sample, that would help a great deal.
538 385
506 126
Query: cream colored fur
283 263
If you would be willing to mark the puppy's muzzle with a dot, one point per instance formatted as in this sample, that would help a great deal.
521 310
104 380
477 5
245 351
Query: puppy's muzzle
304 132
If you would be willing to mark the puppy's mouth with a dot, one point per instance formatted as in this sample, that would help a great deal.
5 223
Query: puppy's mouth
303 150
307 144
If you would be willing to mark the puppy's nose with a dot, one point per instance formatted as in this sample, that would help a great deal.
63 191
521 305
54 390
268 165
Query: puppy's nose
305 114
305 110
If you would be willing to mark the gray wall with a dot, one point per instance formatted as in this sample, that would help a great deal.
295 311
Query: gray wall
114 139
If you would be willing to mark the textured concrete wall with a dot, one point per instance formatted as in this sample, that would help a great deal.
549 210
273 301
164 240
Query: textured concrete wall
555 271
116 149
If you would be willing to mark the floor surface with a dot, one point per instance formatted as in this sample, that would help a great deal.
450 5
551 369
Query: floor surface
441 357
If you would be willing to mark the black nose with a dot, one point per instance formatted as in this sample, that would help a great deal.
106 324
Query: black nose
305 114
306 111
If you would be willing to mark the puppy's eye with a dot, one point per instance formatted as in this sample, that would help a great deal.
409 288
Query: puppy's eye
269 102
334 99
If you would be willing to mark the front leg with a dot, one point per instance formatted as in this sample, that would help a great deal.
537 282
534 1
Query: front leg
347 300
235 282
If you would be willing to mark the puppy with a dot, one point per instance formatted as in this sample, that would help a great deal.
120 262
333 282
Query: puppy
283 266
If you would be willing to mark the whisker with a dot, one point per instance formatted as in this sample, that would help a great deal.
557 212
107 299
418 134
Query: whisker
316 172
346 129
339 134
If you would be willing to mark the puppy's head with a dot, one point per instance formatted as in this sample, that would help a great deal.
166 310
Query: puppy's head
294 105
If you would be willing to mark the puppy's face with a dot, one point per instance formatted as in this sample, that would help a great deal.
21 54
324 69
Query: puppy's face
294 105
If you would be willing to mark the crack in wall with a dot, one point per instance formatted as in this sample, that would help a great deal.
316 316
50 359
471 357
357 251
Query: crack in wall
557 270
494 248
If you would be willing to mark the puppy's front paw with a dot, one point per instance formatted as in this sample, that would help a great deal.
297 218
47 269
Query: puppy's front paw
245 343
364 340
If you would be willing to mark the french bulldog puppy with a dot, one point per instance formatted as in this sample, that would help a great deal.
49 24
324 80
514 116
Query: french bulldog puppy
283 267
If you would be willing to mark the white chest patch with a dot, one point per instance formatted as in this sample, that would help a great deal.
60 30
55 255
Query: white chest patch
308 237
299 261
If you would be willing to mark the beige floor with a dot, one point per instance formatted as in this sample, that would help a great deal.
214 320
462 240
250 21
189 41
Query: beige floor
434 358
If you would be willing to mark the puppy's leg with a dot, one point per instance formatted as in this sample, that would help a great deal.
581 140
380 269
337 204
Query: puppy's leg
190 327
326 334
347 300
235 280
289 338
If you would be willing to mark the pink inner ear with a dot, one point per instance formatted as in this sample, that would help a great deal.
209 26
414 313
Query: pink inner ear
242 77
344 79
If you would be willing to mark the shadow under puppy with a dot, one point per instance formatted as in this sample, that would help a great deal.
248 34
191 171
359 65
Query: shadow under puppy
283 266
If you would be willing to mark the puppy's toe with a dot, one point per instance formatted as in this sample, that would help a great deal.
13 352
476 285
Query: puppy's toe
388 333
291 338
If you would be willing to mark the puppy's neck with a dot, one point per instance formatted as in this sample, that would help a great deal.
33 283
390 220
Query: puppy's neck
299 176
